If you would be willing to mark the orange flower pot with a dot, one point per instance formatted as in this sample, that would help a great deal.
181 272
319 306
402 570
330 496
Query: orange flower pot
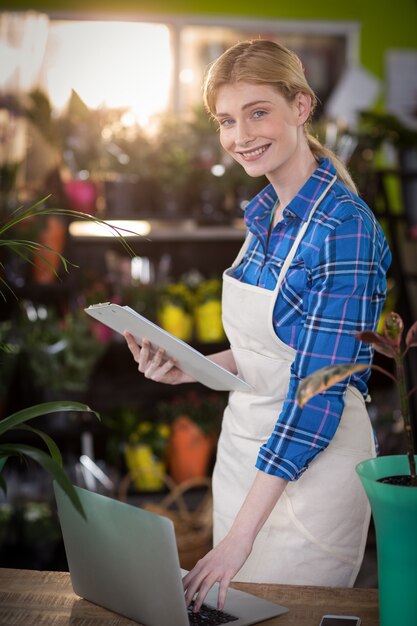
189 451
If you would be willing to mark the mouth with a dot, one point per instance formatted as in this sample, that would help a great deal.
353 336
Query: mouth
254 153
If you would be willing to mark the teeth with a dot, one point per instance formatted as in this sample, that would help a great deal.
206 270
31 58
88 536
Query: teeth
253 153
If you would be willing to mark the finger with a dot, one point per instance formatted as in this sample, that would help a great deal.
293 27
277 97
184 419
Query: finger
144 355
191 583
154 363
205 587
132 345
197 581
164 370
223 589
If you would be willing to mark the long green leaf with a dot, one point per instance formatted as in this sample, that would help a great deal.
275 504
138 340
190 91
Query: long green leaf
20 215
49 442
3 282
39 410
7 450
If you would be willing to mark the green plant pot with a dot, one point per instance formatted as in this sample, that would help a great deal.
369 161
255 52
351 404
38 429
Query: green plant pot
394 510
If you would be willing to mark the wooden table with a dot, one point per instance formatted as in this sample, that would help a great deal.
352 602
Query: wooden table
32 598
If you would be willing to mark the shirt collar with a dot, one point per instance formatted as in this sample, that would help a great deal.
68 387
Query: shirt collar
259 208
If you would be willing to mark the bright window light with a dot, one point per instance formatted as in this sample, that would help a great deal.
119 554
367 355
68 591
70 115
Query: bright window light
126 228
112 64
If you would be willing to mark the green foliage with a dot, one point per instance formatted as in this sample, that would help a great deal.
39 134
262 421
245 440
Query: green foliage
75 134
177 294
9 354
154 434
387 127
26 249
51 459
127 425
390 344
206 410
48 456
209 290
61 351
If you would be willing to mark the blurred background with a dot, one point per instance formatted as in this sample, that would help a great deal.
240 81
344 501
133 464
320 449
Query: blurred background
101 113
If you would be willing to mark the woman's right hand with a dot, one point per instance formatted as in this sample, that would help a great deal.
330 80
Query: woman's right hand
156 366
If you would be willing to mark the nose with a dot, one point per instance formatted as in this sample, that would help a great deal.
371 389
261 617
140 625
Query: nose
243 135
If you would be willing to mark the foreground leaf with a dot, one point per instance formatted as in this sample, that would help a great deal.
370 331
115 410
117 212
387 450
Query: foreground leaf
7 450
38 410
49 442
330 375
324 378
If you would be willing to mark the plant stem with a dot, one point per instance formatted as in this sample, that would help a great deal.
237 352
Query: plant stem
405 410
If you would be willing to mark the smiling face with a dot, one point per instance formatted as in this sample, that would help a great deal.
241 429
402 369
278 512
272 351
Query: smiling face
260 129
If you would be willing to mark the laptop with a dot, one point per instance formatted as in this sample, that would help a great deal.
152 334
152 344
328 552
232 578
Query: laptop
125 559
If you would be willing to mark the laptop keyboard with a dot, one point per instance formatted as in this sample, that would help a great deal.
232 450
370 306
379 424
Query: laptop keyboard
207 616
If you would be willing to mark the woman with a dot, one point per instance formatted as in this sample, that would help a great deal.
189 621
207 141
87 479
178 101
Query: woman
288 507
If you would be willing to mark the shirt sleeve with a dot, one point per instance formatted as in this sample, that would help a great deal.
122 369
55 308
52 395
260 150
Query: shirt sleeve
339 297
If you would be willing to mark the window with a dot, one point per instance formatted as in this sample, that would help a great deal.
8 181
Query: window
150 67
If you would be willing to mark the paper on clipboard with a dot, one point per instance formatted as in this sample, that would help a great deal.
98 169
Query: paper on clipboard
192 362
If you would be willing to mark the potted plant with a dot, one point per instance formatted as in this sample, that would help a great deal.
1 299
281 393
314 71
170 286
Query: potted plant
48 456
75 137
127 167
390 482
60 351
207 311
173 149
195 425
175 309
145 454
142 444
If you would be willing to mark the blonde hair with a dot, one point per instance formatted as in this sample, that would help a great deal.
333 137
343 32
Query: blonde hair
261 62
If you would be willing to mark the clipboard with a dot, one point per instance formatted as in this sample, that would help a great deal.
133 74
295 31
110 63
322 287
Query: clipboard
191 361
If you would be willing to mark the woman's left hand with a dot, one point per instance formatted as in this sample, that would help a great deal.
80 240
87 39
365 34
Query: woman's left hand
220 565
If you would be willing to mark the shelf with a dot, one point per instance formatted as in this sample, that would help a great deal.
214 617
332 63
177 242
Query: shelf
160 231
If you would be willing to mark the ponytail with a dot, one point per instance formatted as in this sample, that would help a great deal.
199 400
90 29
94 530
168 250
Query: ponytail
320 151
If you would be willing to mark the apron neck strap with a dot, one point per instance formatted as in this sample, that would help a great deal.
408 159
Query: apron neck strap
300 235
296 243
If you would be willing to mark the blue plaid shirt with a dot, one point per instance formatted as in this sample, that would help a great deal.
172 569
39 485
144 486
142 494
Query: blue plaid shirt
335 287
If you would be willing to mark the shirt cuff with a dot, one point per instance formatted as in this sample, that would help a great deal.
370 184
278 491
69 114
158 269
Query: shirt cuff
269 463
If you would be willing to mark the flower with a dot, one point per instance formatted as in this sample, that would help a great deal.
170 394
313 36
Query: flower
153 434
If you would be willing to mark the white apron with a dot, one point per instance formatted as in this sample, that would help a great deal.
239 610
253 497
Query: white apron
316 534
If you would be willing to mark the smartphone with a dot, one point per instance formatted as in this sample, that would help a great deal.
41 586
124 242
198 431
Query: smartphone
340 620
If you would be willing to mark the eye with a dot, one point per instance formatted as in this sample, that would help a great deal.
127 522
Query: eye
258 114
226 122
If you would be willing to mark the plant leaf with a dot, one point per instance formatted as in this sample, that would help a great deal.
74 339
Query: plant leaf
28 249
49 442
42 409
324 378
383 345
411 338
394 328
48 464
